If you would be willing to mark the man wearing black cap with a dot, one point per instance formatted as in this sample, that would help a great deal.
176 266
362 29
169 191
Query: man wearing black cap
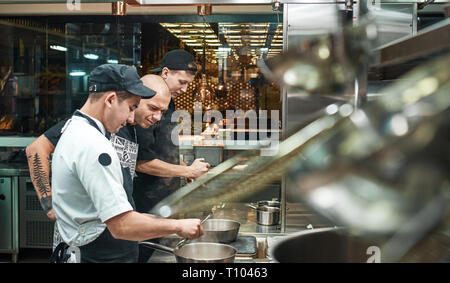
91 201
158 167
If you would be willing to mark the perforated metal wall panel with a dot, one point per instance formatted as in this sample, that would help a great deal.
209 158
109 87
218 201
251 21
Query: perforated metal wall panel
240 96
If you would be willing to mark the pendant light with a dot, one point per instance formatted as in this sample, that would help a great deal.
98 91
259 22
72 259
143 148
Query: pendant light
221 89
205 93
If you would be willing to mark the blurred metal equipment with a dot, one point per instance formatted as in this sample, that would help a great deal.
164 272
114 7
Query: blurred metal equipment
276 6
317 64
374 169
119 8
429 41
338 245
386 164
325 58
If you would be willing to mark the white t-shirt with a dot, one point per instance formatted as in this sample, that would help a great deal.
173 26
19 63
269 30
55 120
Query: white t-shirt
87 182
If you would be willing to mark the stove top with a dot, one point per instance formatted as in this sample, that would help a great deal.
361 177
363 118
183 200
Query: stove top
245 246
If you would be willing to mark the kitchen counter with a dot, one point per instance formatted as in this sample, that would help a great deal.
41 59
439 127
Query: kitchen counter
14 169
235 211
189 141
238 211
15 141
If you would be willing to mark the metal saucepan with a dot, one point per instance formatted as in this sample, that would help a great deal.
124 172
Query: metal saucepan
261 203
267 212
198 252
273 203
220 231
268 215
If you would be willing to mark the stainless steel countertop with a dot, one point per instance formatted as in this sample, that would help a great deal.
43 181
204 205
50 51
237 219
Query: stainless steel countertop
238 211
14 169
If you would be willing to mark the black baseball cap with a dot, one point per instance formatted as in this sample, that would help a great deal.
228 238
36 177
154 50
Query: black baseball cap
118 77
177 59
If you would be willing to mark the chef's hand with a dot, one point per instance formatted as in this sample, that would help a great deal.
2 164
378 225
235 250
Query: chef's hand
190 228
51 215
197 168
186 179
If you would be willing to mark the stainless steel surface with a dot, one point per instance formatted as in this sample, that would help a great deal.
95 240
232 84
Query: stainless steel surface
273 203
240 212
250 248
6 206
351 181
9 220
267 212
14 169
393 21
325 57
314 46
220 231
268 215
297 105
36 229
199 252
430 40
206 252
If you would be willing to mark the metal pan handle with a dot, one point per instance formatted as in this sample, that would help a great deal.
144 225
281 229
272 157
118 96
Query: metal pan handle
158 247
184 240
251 206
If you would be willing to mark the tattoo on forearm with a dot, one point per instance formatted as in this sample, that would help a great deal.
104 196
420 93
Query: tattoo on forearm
46 203
40 178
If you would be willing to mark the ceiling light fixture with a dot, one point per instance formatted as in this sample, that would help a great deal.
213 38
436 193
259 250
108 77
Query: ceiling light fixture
119 8
205 93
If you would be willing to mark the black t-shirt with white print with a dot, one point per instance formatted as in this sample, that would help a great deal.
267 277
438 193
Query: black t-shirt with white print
124 142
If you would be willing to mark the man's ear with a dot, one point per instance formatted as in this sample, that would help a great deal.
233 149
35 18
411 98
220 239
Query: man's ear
110 96
164 73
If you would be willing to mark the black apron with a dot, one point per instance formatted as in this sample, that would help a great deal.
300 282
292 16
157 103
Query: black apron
106 249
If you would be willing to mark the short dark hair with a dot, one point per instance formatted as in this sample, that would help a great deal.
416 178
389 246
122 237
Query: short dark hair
192 66
121 95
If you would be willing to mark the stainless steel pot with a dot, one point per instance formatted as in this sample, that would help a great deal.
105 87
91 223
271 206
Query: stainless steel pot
268 215
322 245
267 212
220 231
198 252
273 203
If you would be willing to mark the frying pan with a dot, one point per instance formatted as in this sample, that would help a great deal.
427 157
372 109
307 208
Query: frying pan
198 252
220 231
